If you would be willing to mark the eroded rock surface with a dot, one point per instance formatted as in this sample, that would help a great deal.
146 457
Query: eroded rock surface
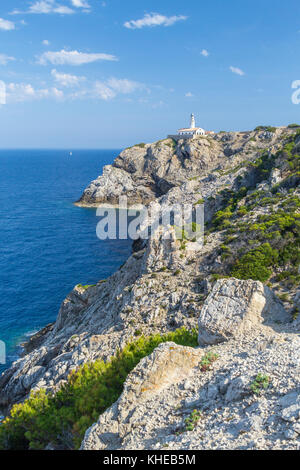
231 415
165 367
234 307
147 171
167 284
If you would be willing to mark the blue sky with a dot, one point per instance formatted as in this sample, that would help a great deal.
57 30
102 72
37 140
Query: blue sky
108 74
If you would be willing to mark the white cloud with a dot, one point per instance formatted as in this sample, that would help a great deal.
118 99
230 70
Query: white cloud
6 25
153 19
63 10
237 71
104 90
45 7
65 79
73 57
111 88
205 53
21 92
80 4
4 59
124 86
189 94
46 42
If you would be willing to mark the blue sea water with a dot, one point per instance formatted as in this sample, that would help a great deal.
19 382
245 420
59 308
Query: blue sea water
48 245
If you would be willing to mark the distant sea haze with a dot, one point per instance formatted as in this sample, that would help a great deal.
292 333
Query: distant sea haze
48 245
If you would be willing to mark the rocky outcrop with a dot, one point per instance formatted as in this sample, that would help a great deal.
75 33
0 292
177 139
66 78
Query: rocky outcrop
37 339
113 183
165 367
166 284
154 409
147 171
151 293
163 284
234 307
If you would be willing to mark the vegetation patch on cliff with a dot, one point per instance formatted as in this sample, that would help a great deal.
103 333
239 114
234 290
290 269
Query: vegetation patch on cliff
61 419
262 226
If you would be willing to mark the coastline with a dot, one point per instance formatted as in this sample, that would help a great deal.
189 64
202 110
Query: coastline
106 205
164 288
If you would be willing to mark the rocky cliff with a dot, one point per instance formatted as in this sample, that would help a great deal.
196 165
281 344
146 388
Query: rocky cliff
147 171
240 290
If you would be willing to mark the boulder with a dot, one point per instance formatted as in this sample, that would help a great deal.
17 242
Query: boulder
234 307
166 366
290 404
32 376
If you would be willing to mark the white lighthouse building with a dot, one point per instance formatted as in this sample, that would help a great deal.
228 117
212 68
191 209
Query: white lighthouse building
191 131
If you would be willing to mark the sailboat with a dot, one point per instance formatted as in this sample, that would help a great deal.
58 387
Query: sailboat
71 153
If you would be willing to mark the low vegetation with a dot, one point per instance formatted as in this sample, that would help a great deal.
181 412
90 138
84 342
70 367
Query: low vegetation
141 145
192 420
85 287
262 227
62 418
208 360
260 383
265 128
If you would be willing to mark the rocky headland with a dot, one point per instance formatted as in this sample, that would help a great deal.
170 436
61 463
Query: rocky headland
233 382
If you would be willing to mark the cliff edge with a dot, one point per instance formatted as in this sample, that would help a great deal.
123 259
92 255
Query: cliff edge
239 294
145 172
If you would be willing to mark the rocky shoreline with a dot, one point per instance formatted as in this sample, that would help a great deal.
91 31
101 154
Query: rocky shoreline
242 179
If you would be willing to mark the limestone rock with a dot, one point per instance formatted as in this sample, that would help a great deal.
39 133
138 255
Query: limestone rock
159 395
234 307
291 406
113 183
166 366
147 171
37 339
162 287
32 376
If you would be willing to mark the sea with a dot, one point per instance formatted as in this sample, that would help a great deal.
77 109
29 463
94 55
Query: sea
48 245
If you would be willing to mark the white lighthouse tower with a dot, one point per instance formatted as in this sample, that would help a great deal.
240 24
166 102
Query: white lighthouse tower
193 122
190 132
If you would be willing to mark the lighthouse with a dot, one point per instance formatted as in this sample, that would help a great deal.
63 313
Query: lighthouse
190 132
193 122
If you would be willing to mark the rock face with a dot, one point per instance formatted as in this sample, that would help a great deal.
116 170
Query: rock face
234 307
166 366
113 183
152 410
37 339
147 171
94 322
168 283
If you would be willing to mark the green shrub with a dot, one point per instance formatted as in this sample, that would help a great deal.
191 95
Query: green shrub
255 264
260 383
265 128
242 211
192 420
207 361
141 145
63 417
87 286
